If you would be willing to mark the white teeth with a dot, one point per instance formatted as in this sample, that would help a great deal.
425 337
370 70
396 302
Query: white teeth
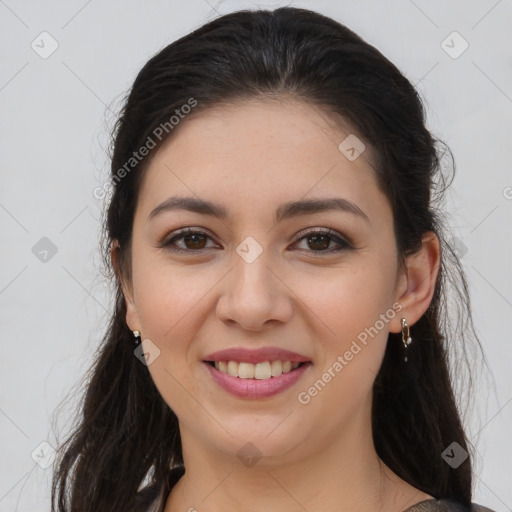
246 371
233 368
261 371
276 368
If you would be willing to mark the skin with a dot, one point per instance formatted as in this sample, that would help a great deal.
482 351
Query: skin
251 157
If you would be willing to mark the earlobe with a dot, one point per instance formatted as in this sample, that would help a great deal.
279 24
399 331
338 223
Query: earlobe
417 284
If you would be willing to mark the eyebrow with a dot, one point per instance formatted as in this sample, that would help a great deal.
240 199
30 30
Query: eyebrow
285 211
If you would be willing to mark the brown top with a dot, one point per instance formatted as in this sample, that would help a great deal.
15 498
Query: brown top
152 499
445 506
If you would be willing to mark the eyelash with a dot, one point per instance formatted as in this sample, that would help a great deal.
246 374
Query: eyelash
166 244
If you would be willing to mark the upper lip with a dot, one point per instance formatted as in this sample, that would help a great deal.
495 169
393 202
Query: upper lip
256 355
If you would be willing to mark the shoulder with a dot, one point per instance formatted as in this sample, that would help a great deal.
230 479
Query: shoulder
446 506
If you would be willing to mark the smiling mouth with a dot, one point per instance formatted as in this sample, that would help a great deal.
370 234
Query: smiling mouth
257 371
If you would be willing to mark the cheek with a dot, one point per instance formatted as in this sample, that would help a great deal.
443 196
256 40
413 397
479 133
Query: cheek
345 300
349 308
168 296
352 308
171 304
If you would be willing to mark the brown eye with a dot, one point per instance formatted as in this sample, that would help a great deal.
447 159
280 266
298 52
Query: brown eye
194 241
318 242
191 241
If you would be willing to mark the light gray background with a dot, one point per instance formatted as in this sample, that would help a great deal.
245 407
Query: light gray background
56 113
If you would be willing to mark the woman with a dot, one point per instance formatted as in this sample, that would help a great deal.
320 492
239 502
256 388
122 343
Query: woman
278 340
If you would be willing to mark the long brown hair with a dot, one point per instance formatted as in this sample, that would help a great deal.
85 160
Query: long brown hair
127 436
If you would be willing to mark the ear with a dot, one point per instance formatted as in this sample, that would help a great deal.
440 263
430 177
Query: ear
132 317
416 284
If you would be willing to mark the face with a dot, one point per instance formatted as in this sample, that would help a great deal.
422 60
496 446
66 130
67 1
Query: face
320 283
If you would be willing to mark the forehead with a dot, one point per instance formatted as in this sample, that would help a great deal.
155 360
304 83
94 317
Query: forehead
262 153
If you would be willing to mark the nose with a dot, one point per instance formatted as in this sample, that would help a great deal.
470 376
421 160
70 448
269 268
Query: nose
254 296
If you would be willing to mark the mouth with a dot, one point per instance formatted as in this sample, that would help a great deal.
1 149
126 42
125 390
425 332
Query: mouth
256 380
259 371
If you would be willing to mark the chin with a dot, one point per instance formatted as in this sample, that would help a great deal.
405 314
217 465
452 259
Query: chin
265 445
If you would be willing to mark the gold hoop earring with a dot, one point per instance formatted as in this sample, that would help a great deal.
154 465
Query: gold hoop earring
406 336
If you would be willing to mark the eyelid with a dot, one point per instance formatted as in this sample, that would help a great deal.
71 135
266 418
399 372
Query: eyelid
337 237
323 230
180 233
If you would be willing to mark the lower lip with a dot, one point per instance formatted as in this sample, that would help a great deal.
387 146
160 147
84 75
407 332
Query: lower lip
256 388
